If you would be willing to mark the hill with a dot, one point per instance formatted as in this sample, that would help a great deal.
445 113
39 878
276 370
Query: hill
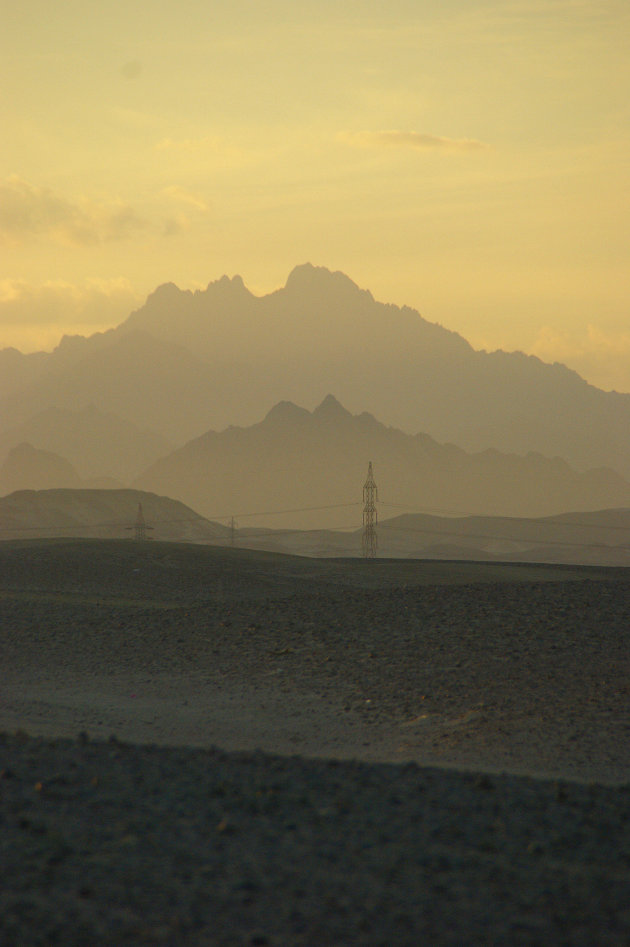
102 514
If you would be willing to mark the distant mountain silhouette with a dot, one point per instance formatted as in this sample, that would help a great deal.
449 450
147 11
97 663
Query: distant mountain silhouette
102 514
153 384
186 361
27 468
18 370
297 459
96 444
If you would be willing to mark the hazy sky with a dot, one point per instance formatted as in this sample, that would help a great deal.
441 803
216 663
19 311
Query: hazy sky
467 158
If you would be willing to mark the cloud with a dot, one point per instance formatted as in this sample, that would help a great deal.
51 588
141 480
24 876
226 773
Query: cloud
28 211
413 140
601 356
183 196
97 303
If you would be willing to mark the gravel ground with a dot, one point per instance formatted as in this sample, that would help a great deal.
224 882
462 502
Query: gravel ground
376 674
115 844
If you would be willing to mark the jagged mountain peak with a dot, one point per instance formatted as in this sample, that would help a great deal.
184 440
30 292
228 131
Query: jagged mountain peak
286 411
307 278
331 408
166 292
228 284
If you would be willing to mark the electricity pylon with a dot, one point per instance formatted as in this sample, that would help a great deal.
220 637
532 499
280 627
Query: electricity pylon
140 527
370 516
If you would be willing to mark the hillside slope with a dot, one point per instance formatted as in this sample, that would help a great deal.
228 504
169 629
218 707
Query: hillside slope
102 514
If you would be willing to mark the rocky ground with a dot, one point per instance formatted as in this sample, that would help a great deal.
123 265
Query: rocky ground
411 752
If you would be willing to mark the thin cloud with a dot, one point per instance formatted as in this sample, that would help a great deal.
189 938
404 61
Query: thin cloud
183 196
414 140
28 211
599 355
95 302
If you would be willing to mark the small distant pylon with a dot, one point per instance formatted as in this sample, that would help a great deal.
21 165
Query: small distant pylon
370 516
140 527
233 525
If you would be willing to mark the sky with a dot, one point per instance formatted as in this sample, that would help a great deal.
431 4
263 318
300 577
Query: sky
469 159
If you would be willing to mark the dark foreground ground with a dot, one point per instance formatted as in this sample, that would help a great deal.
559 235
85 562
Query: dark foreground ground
463 733
118 844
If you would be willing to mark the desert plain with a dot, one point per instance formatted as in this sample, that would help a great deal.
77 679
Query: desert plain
209 745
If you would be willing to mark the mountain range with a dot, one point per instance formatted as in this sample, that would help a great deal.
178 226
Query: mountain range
186 362
97 445
309 464
29 468
313 464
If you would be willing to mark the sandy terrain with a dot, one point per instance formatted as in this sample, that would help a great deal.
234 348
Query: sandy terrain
520 672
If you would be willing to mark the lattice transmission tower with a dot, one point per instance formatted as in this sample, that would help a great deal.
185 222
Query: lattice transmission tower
370 516
140 527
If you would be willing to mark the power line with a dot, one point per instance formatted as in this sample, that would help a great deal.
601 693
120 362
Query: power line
300 509
512 539
261 532
553 518
213 519
103 525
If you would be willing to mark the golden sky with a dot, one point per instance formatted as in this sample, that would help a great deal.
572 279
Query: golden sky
469 159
